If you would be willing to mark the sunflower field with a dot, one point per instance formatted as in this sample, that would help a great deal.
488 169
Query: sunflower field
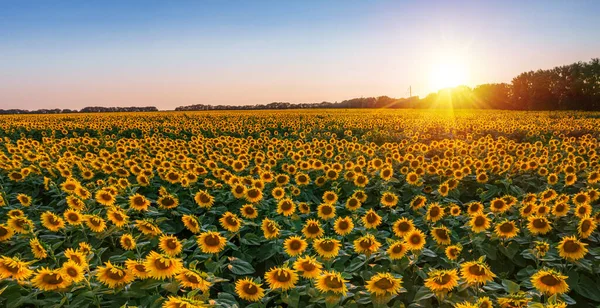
312 208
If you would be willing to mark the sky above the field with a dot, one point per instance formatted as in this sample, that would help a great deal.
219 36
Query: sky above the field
72 54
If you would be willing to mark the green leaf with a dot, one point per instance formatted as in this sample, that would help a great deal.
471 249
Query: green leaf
511 286
240 267
588 288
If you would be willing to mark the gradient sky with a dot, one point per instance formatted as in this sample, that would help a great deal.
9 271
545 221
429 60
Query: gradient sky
72 54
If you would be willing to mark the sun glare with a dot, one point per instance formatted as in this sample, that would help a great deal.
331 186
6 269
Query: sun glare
447 72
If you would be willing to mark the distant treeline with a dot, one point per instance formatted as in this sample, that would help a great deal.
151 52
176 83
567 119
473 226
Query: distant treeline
569 87
84 110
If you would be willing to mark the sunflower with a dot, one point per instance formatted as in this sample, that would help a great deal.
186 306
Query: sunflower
403 226
476 272
270 228
286 207
191 223
95 223
117 216
389 199
127 241
114 276
73 217
327 247
397 250
441 281
294 245
75 203
24 199
137 268
560 209
583 210
549 281
249 290
455 211
326 211
308 267
312 229
586 227
384 284
76 256
538 225
52 221
162 266
571 248
20 224
353 203
211 242
167 202
46 279
249 211
69 186
506 229
105 197
84 248
331 281
441 235
412 178
371 219
516 300
147 227
415 240
278 193
484 302
6 233
14 268
479 222
474 208
230 222
304 208
139 202
73 271
366 244
37 249
499 205
254 195
581 198
418 202
343 225
169 245
452 252
204 199
192 279
281 278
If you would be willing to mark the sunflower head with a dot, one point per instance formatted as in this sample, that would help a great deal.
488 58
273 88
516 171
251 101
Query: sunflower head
331 281
249 290
281 278
549 281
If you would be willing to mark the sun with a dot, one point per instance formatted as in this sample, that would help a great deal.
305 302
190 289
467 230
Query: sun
448 71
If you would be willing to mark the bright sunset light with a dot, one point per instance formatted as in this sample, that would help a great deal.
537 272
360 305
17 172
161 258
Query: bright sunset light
448 71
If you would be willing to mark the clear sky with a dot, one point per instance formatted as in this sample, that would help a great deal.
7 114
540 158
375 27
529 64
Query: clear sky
72 54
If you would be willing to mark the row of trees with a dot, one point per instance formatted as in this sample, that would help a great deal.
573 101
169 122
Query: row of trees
84 110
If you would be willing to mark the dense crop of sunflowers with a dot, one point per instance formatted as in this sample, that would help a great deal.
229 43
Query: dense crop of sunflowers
317 208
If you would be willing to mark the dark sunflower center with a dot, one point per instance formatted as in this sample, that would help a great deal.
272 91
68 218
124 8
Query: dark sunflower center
253 193
371 217
326 210
168 201
506 227
73 217
441 233
140 268
295 245
327 245
106 197
171 243
585 226
212 240
283 276
139 201
249 210
72 272
116 274
307 266
52 279
192 278
415 239
444 279
204 198
313 229
397 249
343 225
479 221
550 280
162 265
571 246
3 231
13 267
366 243
239 189
286 206
384 283
498 204
389 198
271 228
231 221
476 270
250 289
539 223
333 282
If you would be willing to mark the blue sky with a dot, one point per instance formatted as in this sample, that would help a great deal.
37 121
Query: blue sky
71 54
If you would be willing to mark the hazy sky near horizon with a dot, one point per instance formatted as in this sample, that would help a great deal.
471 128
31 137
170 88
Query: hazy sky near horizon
72 54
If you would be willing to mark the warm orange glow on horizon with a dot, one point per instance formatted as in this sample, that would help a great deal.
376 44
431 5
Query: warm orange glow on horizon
448 70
